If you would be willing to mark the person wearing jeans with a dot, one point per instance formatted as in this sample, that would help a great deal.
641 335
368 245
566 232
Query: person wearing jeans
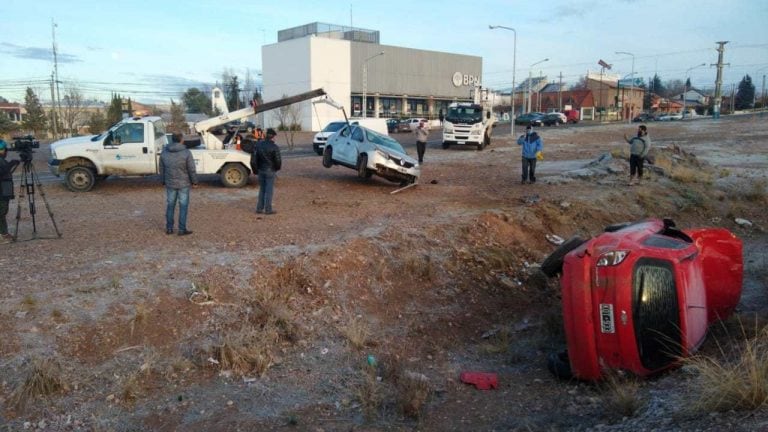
532 146
267 161
177 169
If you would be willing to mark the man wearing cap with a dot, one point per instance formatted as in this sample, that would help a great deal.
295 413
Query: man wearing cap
267 162
532 146
6 190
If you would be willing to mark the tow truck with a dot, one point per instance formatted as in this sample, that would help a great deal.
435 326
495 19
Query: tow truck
132 147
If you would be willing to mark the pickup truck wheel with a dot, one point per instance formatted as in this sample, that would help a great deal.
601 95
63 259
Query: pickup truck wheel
553 264
362 167
328 157
80 179
234 175
446 145
481 145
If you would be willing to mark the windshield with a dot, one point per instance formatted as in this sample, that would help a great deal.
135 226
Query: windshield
384 141
465 114
103 134
334 126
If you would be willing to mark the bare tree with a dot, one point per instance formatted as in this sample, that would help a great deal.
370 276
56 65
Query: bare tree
73 115
288 118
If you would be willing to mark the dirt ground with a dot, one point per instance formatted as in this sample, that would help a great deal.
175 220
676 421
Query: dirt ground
353 308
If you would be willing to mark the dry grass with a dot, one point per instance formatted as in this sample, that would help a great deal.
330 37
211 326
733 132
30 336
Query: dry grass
131 389
248 351
620 394
412 393
44 378
498 343
139 317
737 380
757 191
358 332
420 266
29 303
369 392
647 199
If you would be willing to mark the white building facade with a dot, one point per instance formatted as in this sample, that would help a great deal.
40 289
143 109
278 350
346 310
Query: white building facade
346 62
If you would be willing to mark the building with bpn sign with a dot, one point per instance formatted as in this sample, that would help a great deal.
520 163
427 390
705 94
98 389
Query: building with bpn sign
347 62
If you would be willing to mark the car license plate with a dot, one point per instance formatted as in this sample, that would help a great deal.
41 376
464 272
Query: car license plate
606 318
461 142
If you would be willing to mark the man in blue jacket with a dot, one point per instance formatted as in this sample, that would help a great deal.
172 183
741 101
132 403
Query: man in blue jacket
532 146
177 169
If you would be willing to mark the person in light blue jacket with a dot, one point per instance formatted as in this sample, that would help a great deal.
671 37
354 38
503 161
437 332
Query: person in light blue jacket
532 146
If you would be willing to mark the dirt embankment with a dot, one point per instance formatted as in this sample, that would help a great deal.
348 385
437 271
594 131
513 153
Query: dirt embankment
354 309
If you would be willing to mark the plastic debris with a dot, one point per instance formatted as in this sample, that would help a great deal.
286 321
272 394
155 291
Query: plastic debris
743 222
555 240
481 380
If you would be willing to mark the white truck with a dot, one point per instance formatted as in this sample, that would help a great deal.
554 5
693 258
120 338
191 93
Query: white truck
468 123
132 147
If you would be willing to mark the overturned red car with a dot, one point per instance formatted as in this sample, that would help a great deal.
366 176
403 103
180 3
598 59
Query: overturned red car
640 296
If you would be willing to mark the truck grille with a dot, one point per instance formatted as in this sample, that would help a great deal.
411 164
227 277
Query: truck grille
655 312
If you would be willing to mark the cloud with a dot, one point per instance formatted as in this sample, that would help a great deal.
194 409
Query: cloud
564 12
36 53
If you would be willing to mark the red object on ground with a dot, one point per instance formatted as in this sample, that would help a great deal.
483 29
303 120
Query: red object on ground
481 380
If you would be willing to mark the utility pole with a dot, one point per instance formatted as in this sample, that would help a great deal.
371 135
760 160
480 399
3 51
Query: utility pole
733 97
560 94
762 96
719 79
56 69
53 112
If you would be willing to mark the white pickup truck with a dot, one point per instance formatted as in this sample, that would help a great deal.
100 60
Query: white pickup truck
132 147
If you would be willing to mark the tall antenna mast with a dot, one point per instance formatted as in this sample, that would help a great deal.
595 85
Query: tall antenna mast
56 69
351 23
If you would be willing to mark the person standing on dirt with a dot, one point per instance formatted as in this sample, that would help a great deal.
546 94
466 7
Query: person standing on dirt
421 139
441 117
639 146
177 169
532 147
267 162
6 190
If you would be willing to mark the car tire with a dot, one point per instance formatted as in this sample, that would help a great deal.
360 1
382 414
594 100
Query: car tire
362 167
560 366
480 146
553 264
234 175
446 145
328 157
80 179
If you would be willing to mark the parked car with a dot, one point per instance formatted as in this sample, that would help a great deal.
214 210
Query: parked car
532 118
554 119
236 126
644 117
398 125
370 152
573 116
392 125
413 123
640 296
670 117
320 138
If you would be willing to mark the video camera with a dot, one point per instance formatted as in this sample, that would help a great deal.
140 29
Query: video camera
24 145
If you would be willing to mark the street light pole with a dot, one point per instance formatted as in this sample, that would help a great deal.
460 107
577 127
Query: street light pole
631 85
365 82
685 83
514 61
530 78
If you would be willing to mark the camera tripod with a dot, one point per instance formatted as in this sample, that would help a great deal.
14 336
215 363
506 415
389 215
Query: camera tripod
27 183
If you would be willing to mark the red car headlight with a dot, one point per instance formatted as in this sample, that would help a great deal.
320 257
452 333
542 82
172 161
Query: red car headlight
612 258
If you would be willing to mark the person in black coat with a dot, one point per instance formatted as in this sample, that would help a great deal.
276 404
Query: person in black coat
267 162
6 190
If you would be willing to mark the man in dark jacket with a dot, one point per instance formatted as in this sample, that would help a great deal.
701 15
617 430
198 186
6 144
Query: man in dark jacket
267 161
177 169
6 190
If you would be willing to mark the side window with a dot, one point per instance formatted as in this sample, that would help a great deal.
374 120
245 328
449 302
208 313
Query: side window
357 135
344 132
159 129
129 133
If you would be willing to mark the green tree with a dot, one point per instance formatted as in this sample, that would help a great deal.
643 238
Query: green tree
196 101
97 123
35 119
232 94
115 110
178 122
745 96
657 87
6 125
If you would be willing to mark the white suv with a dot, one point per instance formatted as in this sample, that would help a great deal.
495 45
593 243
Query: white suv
318 142
370 153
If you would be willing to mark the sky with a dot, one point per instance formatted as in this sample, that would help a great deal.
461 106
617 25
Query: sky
154 51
